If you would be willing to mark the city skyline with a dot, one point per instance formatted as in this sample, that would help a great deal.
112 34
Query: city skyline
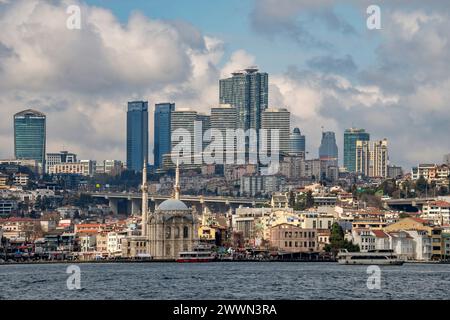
321 81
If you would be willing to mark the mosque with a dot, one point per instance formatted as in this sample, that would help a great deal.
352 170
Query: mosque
167 231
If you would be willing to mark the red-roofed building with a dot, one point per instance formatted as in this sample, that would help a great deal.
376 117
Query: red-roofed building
89 227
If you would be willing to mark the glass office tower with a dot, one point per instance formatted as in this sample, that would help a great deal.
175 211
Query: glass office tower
248 92
328 149
137 135
297 142
162 127
30 136
350 137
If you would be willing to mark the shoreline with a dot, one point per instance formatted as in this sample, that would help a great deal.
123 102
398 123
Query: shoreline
151 261
173 261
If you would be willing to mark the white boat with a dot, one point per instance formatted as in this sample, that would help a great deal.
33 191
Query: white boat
376 257
198 254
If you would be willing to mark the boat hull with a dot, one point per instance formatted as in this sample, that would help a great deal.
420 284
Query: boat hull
194 260
370 262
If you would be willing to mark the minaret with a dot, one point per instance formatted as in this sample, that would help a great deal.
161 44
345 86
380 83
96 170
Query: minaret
144 189
176 186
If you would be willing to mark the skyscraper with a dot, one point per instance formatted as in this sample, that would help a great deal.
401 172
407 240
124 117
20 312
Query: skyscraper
162 127
277 119
30 136
297 142
248 91
183 119
205 121
328 149
224 117
350 137
372 158
137 135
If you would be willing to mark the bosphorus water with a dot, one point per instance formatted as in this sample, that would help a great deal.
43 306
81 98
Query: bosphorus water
232 280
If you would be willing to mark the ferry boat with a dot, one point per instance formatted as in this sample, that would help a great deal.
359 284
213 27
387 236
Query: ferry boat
375 257
198 254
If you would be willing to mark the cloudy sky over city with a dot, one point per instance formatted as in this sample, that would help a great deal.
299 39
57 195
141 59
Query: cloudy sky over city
324 65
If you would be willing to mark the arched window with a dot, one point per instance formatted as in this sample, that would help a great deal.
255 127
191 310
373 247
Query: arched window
186 232
168 233
177 232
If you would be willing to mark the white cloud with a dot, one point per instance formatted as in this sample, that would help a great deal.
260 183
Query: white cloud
82 79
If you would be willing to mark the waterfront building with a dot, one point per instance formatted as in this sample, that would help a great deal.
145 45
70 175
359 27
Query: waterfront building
248 92
137 134
114 243
162 130
291 239
172 227
277 119
328 149
350 137
434 232
297 143
30 136
60 157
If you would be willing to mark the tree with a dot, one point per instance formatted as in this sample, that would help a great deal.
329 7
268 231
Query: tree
304 201
421 184
403 215
337 241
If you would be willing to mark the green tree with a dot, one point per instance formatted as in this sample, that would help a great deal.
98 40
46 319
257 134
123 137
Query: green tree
421 184
337 241
304 201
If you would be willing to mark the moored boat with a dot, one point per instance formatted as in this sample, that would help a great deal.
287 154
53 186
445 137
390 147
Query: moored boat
375 257
198 254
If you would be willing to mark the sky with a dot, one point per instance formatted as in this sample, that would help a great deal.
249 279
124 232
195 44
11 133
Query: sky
324 65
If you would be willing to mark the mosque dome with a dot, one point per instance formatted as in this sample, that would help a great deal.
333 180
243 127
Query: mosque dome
173 205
